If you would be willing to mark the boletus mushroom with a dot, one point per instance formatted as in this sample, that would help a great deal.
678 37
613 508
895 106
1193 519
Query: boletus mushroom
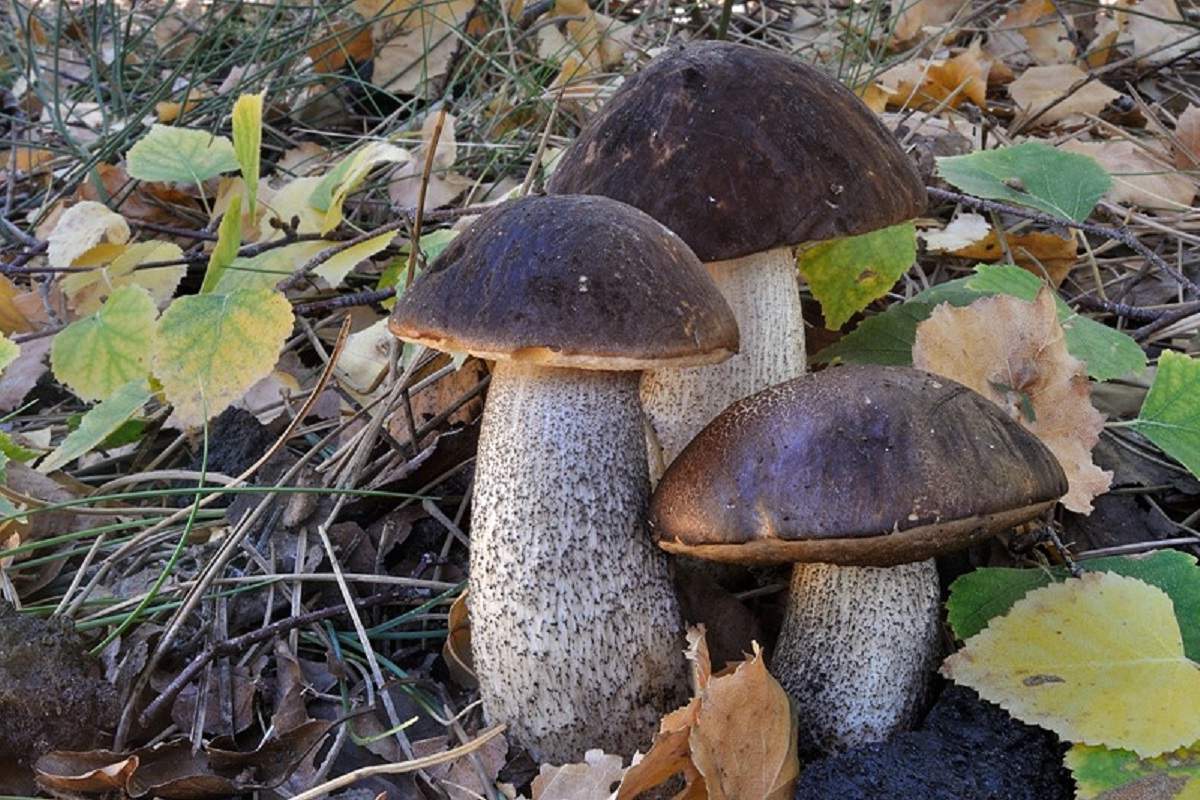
575 630
875 468
745 153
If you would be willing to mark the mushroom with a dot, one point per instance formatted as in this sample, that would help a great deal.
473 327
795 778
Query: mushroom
575 631
859 476
744 153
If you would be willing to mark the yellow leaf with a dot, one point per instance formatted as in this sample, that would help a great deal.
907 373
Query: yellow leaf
1012 352
335 187
85 291
211 348
291 202
247 141
1097 660
9 350
82 227
97 354
12 320
335 268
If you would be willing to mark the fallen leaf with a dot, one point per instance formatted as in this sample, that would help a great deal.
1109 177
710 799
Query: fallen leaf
343 179
847 274
98 424
1104 774
85 291
444 183
744 739
1140 178
1039 87
211 348
460 778
12 319
414 48
936 84
1159 32
148 202
82 227
95 772
1031 32
1098 660
10 351
964 230
170 154
344 42
99 353
1187 134
22 374
921 14
1046 254
591 780
456 651
1013 353
1167 416
229 240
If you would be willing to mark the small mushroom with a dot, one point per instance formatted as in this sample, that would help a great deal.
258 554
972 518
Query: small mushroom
575 631
859 476
745 153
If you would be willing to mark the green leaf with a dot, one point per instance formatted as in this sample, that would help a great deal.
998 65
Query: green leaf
887 338
1170 415
1031 174
335 268
12 449
979 596
98 423
211 348
268 268
171 154
247 141
229 239
846 275
99 353
1104 774
9 350
333 189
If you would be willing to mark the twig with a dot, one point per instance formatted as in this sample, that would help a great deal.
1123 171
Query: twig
238 644
414 249
344 301
402 767
1120 234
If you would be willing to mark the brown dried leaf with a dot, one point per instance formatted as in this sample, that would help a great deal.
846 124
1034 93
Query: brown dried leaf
1031 32
12 319
930 84
456 652
1043 253
94 772
22 375
1140 177
460 778
921 14
744 739
1158 26
1187 134
1041 86
444 184
591 780
344 42
1012 352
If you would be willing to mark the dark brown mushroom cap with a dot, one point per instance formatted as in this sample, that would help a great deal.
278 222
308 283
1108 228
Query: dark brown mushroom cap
569 281
870 466
740 150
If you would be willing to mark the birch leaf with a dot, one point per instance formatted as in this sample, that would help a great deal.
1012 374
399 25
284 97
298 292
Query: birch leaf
85 291
98 424
247 142
99 353
80 228
170 154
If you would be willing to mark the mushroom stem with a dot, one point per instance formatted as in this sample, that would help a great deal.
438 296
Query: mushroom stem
857 648
575 630
761 289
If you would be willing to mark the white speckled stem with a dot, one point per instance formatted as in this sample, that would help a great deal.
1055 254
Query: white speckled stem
575 630
857 649
761 289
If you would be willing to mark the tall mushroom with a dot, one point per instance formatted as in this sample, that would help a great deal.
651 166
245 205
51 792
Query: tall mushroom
877 468
575 630
744 153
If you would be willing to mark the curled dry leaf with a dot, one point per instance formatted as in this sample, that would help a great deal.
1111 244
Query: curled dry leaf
1012 352
80 228
95 772
1141 176
456 651
935 84
1032 32
1041 86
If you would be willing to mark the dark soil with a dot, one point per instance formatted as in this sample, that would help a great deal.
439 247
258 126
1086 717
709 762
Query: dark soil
53 695
967 749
